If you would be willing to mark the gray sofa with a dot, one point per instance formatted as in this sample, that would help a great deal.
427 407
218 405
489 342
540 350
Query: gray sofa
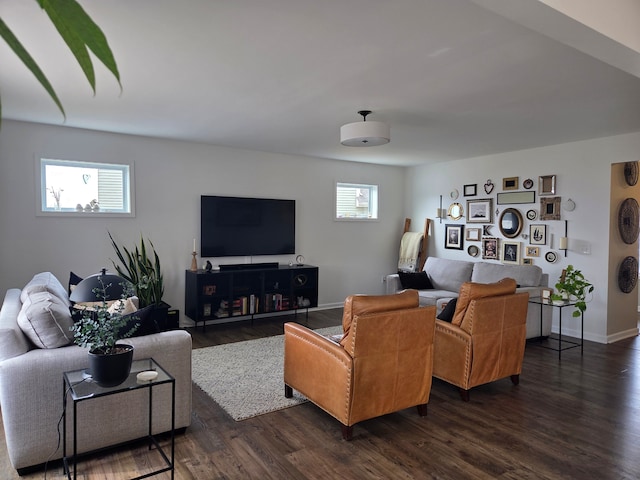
447 276
31 389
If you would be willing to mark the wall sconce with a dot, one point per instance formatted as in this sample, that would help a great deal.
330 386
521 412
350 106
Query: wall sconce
564 241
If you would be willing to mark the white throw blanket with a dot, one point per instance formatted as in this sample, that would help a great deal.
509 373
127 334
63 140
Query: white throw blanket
409 251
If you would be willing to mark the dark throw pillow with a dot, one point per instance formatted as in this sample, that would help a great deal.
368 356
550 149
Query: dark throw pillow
447 312
418 281
73 281
144 318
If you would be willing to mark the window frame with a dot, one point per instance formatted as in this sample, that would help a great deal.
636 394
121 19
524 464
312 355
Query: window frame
374 198
128 187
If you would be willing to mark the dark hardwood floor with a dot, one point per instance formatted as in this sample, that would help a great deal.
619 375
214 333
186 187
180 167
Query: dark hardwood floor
575 418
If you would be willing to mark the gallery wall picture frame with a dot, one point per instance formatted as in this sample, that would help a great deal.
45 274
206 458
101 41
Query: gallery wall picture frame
537 234
530 251
470 190
510 183
511 252
453 236
527 261
508 198
532 214
546 185
473 234
490 248
480 211
550 208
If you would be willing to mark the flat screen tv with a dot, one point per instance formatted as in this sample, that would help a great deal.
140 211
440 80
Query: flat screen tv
239 226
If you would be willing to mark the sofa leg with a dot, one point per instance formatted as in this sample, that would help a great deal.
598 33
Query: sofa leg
515 379
464 394
288 391
422 410
347 432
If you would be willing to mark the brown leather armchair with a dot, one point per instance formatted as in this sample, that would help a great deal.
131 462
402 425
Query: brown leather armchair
486 338
382 364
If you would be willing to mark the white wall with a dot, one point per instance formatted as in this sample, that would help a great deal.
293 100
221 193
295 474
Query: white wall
170 177
583 171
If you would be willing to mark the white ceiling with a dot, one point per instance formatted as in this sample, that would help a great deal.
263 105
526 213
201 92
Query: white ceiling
453 79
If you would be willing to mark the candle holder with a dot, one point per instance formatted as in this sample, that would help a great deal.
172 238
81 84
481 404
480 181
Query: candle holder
194 263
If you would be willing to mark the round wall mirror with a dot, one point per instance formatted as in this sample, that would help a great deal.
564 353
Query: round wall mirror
455 211
510 223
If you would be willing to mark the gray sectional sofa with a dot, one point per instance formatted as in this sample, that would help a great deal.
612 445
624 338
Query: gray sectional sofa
446 277
31 381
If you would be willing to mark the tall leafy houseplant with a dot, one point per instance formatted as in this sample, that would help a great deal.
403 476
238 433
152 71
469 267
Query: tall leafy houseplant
141 267
573 284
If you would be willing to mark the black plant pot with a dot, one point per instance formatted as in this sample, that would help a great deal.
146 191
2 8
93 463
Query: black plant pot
111 370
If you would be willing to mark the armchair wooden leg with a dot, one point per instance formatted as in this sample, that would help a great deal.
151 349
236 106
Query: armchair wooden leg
515 379
422 410
288 391
347 432
464 394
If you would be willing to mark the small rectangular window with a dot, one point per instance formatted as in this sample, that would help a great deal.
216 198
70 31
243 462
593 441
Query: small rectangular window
72 187
356 201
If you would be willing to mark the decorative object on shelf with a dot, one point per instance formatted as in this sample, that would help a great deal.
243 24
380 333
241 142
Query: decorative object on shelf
573 285
550 208
454 194
510 183
547 185
470 190
102 326
511 252
628 220
490 248
532 251
300 260
453 236
628 274
510 222
479 211
473 250
538 234
631 173
509 198
488 186
455 211
551 257
207 267
569 205
473 234
528 183
532 214
300 280
365 134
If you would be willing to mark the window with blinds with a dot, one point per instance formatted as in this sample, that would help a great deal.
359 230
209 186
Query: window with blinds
356 201
74 187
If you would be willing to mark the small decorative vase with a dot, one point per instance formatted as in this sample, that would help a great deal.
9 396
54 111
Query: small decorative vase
111 370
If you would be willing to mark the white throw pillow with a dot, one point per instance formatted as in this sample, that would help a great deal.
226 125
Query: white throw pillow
46 320
45 282
124 307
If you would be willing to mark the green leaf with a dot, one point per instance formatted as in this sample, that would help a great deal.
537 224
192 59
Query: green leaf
17 47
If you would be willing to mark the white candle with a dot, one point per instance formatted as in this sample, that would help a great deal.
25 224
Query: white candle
563 243
194 244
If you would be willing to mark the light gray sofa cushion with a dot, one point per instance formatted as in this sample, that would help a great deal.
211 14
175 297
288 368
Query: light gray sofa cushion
45 282
524 275
448 274
13 343
46 320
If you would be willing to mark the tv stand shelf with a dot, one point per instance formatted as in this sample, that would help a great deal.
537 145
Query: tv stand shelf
234 294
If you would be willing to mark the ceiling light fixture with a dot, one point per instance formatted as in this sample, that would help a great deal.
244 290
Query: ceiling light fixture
364 134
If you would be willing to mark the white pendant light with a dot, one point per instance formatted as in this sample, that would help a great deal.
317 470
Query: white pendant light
364 134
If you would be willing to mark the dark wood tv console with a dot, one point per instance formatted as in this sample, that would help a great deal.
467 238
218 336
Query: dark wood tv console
234 294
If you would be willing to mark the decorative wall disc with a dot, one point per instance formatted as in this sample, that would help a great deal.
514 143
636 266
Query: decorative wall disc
473 250
628 274
631 173
551 257
628 220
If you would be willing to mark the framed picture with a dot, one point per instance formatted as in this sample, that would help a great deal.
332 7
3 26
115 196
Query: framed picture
527 261
545 293
511 252
547 185
510 183
473 234
537 234
550 208
490 248
532 251
470 190
479 211
453 236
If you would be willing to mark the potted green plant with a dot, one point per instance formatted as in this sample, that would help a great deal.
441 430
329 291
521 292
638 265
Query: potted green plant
572 285
99 329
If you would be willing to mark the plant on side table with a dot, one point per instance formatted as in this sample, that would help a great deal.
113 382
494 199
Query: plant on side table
573 285
99 329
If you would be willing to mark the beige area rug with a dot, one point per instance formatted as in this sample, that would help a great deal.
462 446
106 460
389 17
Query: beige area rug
245 378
